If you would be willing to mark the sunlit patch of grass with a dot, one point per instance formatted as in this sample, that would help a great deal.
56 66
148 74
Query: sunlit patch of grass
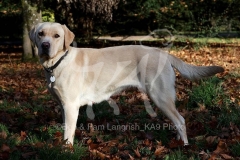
216 40
209 40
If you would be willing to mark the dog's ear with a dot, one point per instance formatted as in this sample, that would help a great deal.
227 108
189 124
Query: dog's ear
68 37
32 34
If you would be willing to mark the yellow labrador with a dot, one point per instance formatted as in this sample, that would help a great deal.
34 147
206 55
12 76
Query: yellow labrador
80 76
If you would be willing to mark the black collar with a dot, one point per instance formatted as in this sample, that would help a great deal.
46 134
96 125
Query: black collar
50 69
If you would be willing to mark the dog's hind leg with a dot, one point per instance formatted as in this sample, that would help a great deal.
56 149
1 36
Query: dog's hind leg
166 103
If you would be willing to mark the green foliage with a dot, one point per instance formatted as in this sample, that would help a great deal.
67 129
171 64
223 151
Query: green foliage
3 128
235 149
145 151
208 19
180 155
48 16
209 93
176 155
9 5
229 114
130 17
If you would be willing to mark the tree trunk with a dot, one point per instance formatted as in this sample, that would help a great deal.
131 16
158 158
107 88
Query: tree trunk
31 16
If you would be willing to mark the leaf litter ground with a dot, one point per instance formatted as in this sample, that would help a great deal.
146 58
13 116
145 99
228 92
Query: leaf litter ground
31 120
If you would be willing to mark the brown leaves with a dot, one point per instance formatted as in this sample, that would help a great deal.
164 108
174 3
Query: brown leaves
160 150
23 79
5 151
221 151
101 150
23 135
115 149
175 143
3 135
22 87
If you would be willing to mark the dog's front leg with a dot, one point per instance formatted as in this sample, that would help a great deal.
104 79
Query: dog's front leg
70 119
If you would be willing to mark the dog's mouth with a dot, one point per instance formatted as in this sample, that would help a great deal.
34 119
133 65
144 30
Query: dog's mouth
45 49
44 54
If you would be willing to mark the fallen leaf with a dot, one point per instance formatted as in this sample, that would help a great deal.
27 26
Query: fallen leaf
58 134
5 148
211 139
57 142
23 135
225 156
160 150
28 154
137 153
159 143
201 108
93 145
39 144
221 147
3 135
98 154
122 146
89 141
175 143
204 155
147 142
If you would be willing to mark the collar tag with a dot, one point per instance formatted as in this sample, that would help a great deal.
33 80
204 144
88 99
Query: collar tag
52 79
50 69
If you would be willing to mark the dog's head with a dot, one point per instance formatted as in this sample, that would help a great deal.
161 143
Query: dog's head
51 38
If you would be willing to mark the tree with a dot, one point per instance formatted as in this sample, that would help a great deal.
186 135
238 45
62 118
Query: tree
80 15
31 16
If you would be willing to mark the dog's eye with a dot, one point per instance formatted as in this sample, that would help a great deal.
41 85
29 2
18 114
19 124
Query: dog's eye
40 33
56 36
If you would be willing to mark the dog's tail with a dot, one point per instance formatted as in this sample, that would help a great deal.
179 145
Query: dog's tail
193 72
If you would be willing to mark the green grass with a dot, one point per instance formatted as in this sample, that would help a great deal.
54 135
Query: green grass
4 129
50 153
229 114
209 93
197 43
179 155
208 40
235 149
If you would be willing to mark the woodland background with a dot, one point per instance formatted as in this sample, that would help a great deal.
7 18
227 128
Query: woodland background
86 18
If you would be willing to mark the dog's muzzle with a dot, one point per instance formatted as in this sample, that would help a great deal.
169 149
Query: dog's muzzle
45 45
45 48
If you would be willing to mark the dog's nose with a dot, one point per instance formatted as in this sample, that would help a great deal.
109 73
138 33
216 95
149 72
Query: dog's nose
45 45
